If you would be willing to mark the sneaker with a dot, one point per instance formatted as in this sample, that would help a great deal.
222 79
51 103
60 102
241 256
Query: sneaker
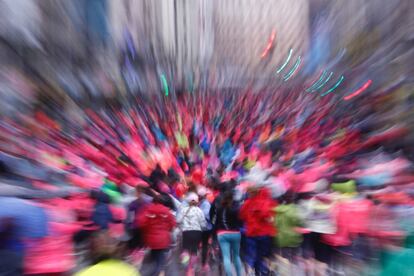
185 258
250 271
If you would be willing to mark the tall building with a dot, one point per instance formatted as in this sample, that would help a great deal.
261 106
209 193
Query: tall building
243 30
197 41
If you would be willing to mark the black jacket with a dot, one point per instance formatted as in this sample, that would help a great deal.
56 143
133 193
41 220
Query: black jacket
227 218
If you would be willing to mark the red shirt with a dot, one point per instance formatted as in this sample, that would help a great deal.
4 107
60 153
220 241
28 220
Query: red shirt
157 222
257 214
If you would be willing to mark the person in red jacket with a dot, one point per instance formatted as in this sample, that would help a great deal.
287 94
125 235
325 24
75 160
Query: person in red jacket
157 223
257 214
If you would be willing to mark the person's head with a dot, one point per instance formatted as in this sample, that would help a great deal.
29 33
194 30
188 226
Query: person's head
139 191
192 187
220 169
374 200
202 192
288 197
227 185
100 197
163 188
159 199
173 177
252 191
103 247
163 199
227 199
192 199
214 183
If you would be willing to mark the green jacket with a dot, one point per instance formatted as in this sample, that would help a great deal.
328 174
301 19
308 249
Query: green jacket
286 220
345 187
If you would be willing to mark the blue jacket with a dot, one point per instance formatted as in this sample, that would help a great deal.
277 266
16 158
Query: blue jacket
205 207
102 216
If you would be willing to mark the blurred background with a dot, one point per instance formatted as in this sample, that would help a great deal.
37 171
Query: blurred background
100 91
81 50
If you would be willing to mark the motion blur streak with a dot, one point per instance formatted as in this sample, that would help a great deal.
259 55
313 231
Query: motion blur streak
341 79
293 70
269 44
324 82
286 62
312 88
359 91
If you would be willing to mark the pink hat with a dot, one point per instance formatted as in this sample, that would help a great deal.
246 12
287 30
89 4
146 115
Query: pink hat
202 191
229 175
164 187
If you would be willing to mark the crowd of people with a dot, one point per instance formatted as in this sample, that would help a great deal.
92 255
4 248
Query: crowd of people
232 183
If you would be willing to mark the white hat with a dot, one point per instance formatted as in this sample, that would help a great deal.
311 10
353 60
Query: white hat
192 197
202 191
